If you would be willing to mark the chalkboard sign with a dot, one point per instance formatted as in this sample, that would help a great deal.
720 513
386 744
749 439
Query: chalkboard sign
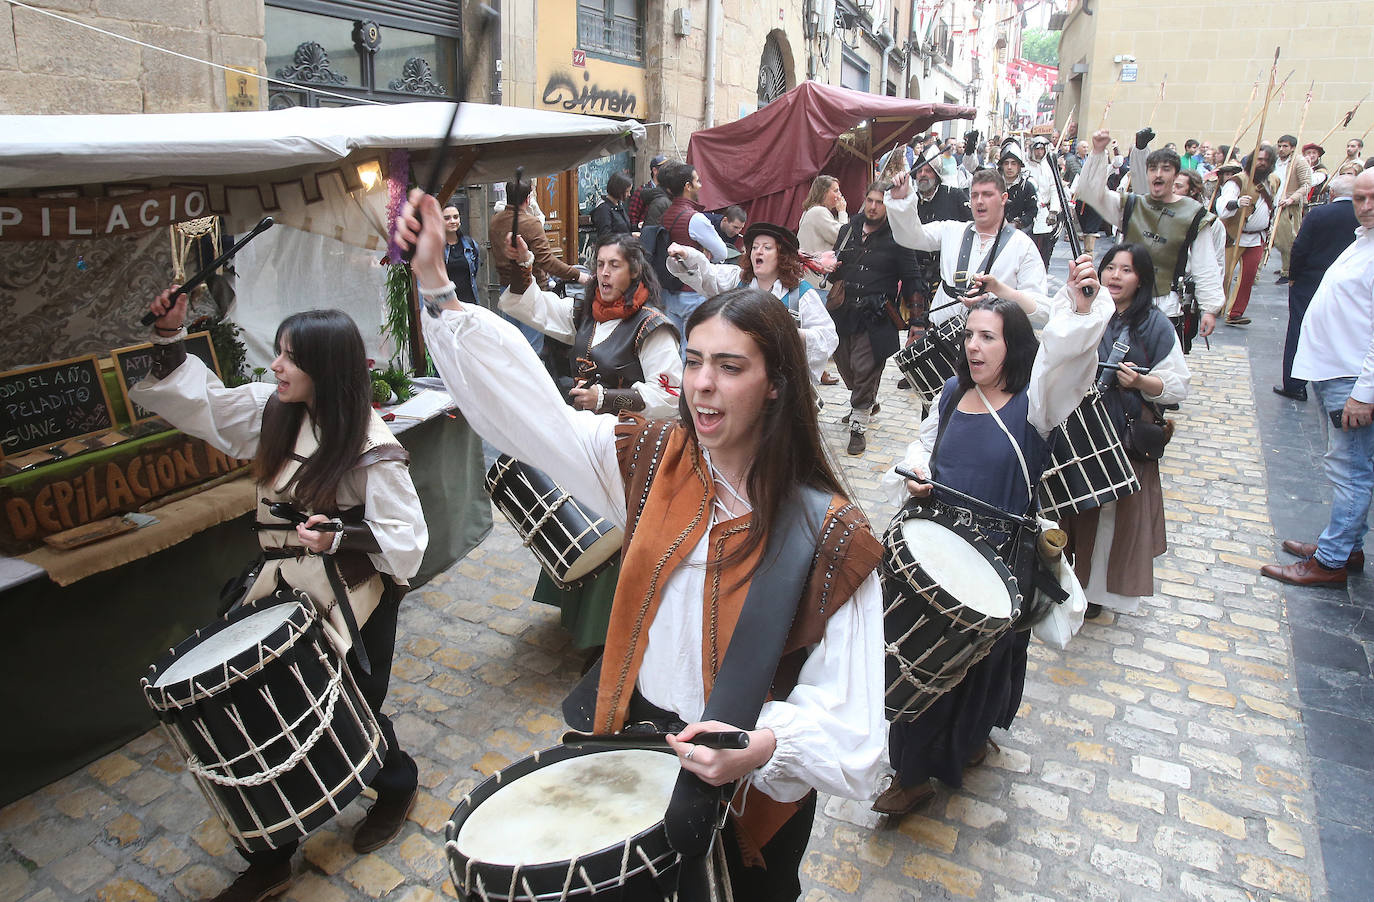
135 362
52 403
591 178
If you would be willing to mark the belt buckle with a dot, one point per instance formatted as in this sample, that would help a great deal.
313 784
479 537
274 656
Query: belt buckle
963 517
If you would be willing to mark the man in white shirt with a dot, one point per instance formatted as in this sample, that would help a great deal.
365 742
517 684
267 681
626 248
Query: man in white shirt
1336 352
1040 172
989 254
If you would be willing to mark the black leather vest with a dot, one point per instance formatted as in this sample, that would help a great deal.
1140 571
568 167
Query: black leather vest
616 359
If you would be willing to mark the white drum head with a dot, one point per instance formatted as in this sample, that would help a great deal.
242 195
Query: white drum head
600 552
571 808
235 638
957 567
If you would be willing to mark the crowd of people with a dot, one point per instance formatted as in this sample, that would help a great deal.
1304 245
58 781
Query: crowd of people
676 394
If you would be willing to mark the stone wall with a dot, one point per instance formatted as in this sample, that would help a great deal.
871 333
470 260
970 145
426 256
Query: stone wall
52 66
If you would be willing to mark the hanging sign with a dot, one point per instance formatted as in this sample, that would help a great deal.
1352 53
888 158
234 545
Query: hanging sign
40 218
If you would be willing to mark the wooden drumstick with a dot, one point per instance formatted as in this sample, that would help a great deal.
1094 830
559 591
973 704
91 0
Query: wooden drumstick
991 509
718 739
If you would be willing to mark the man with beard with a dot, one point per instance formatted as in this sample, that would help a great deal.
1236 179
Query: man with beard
874 269
1021 196
1040 173
1258 207
1163 221
987 257
1294 186
1354 151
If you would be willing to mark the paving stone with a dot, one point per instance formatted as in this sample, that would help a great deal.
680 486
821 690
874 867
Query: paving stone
834 872
973 812
955 879
82 869
1161 771
1110 825
931 833
1205 814
201 881
373 875
1189 849
1123 865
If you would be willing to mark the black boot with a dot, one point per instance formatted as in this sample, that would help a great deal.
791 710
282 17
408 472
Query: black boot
384 820
260 881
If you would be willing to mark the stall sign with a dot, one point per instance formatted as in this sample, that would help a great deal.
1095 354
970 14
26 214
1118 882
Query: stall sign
136 361
48 404
55 499
43 218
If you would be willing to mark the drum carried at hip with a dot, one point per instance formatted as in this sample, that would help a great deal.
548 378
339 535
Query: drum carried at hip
948 598
567 823
1088 464
269 720
570 541
929 362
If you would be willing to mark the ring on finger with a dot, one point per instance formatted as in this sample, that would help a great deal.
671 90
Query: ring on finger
690 752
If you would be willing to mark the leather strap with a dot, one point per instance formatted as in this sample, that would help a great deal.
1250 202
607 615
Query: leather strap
621 399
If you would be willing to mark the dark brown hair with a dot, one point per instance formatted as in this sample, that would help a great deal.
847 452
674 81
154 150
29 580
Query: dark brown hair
328 348
788 431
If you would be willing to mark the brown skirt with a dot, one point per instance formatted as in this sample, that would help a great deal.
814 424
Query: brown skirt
1138 537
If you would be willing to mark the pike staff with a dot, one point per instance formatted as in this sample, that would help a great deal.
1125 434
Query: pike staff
1344 122
1160 99
1283 183
1248 184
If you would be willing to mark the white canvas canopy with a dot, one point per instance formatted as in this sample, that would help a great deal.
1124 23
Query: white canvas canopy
318 171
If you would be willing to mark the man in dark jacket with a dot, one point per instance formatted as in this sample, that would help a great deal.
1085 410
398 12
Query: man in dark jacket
1021 197
1326 231
647 192
875 270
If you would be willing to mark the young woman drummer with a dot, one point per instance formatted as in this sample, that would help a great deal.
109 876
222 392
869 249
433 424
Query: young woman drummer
316 444
1114 546
699 499
1007 390
773 264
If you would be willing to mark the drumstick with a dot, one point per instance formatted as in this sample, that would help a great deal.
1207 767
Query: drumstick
1140 371
723 739
969 500
194 282
283 511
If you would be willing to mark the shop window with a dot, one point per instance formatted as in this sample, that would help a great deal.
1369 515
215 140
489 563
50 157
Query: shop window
613 28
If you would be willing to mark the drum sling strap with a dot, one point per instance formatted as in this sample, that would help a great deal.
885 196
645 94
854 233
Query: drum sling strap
966 253
746 676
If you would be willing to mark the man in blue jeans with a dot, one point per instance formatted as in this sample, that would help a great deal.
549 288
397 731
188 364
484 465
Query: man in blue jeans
1336 353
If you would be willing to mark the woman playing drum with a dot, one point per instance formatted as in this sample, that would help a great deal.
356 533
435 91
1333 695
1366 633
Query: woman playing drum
774 265
318 446
1002 376
1114 546
698 502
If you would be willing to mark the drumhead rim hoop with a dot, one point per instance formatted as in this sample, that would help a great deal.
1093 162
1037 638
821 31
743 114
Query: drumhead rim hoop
919 510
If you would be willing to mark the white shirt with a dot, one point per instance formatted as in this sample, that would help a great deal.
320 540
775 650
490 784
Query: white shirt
1252 234
817 328
1337 338
659 356
1046 194
705 234
1018 263
193 399
1204 258
830 730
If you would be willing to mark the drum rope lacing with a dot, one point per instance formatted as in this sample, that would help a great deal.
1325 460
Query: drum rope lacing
333 691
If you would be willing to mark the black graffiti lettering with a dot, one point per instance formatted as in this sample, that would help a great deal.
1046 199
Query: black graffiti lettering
561 90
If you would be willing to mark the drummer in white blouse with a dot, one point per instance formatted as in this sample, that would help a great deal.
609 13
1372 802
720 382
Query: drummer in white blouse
774 265
697 504
987 257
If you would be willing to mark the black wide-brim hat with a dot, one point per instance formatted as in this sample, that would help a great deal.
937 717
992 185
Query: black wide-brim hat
786 238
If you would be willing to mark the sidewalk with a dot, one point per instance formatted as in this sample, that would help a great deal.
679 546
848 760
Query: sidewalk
1181 753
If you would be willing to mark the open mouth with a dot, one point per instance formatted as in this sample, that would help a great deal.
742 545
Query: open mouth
707 418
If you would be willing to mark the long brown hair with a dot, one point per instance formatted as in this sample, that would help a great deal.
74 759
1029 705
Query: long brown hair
787 428
789 266
328 348
820 187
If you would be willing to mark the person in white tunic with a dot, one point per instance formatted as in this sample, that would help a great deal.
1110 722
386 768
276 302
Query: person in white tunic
698 498
988 257
774 265
317 445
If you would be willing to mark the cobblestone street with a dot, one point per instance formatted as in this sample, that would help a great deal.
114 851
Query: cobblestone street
1161 756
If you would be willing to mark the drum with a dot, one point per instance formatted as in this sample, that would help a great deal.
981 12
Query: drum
1088 466
948 598
269 721
570 541
567 823
929 362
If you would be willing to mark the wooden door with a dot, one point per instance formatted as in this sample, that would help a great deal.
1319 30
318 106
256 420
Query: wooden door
557 197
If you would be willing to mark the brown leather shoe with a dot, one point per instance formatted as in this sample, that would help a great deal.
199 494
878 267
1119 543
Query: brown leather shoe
981 755
384 820
1306 572
1307 549
828 379
257 883
899 799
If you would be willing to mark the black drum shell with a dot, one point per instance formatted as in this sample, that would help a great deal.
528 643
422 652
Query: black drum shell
547 880
1088 463
929 362
209 699
970 634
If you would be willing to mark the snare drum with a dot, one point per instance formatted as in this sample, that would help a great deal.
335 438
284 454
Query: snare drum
948 598
567 823
929 362
570 541
1088 466
269 721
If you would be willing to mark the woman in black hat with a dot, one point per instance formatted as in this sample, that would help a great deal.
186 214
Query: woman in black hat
773 263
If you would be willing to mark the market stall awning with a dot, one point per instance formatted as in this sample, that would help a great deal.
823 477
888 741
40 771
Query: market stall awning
48 151
766 161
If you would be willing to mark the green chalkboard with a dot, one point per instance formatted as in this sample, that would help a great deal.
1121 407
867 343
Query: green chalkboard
49 404
591 178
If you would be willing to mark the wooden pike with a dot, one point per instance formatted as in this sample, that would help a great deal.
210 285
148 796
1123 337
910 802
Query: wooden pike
1249 122
1283 185
1241 129
1111 98
1248 184
1154 109
1343 123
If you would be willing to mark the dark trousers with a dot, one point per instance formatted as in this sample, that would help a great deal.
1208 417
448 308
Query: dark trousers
399 773
861 370
1045 245
779 880
1297 309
